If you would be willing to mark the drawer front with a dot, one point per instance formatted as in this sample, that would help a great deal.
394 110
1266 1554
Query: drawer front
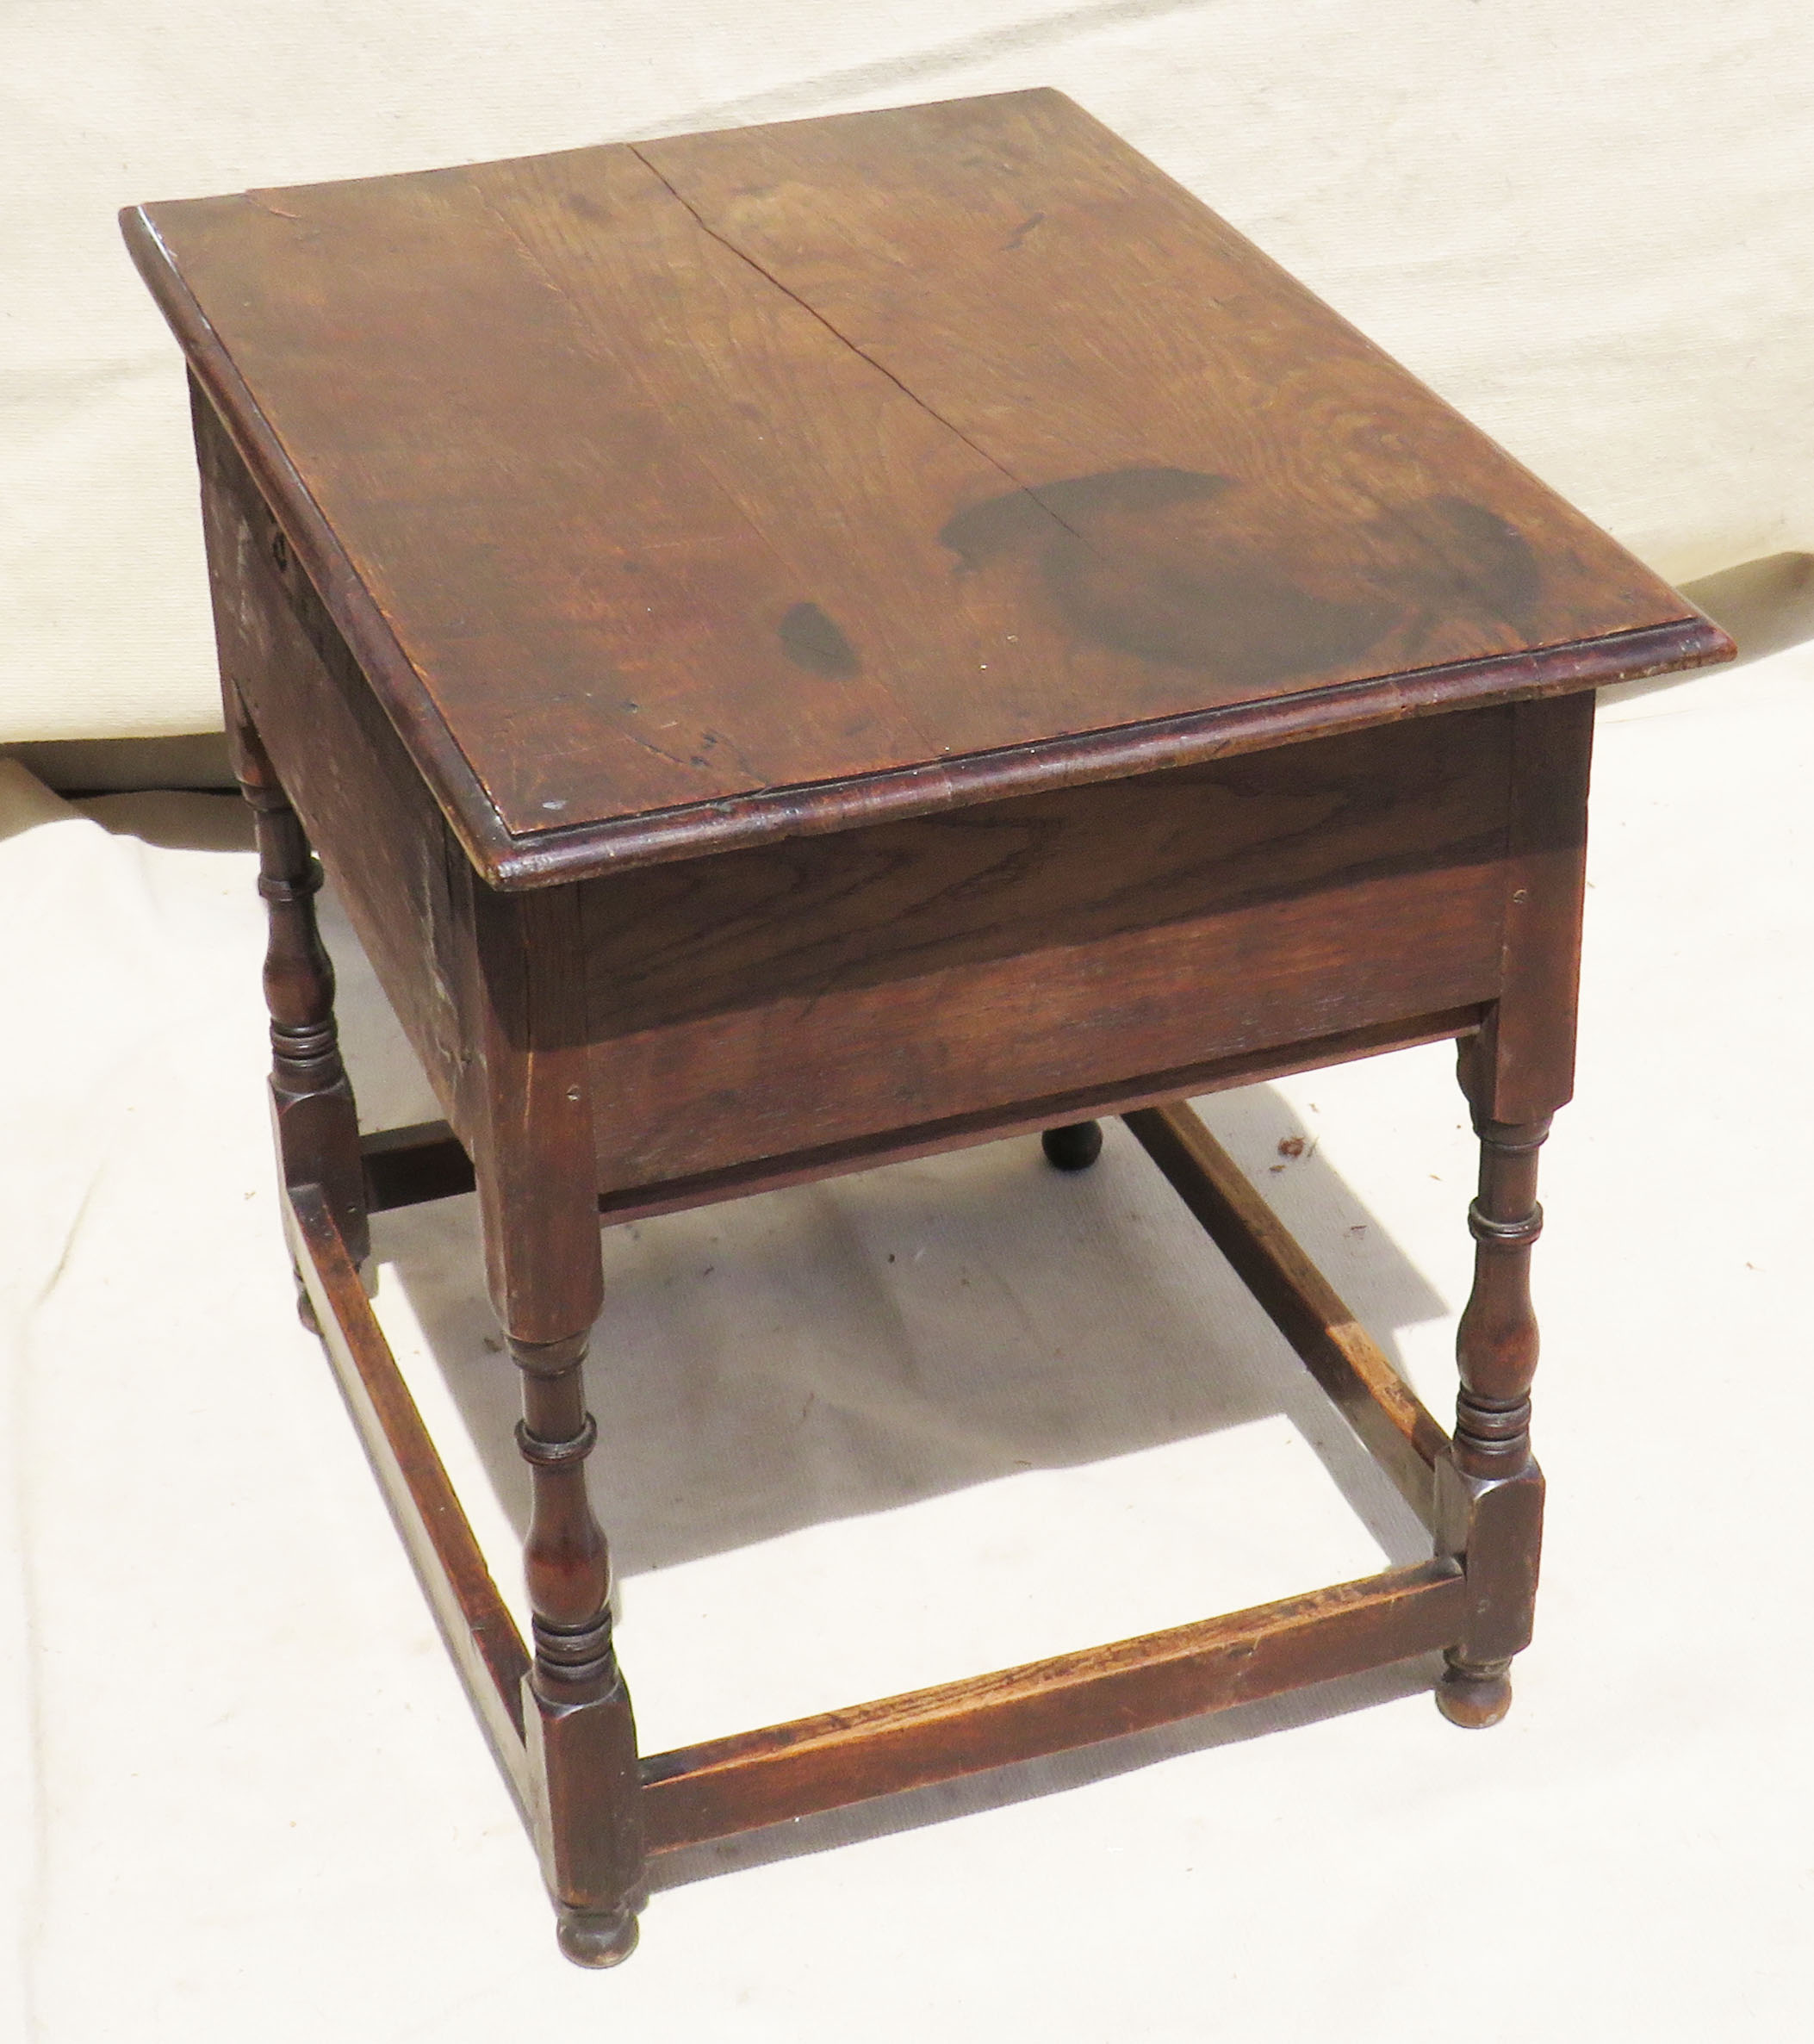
832 989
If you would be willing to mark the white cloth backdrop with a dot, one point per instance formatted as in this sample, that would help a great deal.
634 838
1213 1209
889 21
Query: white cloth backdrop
930 1420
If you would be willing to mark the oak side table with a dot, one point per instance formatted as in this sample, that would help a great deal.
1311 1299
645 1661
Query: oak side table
814 644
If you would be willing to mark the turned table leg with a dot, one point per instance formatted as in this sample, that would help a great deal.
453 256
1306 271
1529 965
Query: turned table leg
582 1738
312 1114
1516 1072
529 1115
1489 1489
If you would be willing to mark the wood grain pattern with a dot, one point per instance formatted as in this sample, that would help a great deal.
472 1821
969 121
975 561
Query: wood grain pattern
1392 1422
757 1777
1198 464
405 1167
817 992
526 1111
1523 1066
881 460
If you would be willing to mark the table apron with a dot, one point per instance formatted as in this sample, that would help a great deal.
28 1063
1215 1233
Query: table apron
831 990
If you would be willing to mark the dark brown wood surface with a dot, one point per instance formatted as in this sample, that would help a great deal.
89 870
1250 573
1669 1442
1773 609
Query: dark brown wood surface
1489 1490
730 485
822 990
1525 1066
1041 607
524 1108
758 1777
405 1167
808 1005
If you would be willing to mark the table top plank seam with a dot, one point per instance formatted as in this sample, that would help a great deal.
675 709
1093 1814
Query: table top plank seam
699 458
863 355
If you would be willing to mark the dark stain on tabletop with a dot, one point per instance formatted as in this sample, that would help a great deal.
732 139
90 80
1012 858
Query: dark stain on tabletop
1179 567
1472 559
811 640
1143 560
1002 525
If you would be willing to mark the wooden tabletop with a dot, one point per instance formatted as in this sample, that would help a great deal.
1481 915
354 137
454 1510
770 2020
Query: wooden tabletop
682 494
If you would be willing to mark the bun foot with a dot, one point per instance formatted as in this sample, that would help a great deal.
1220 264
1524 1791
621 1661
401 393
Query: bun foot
598 1941
1073 1148
1476 1696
